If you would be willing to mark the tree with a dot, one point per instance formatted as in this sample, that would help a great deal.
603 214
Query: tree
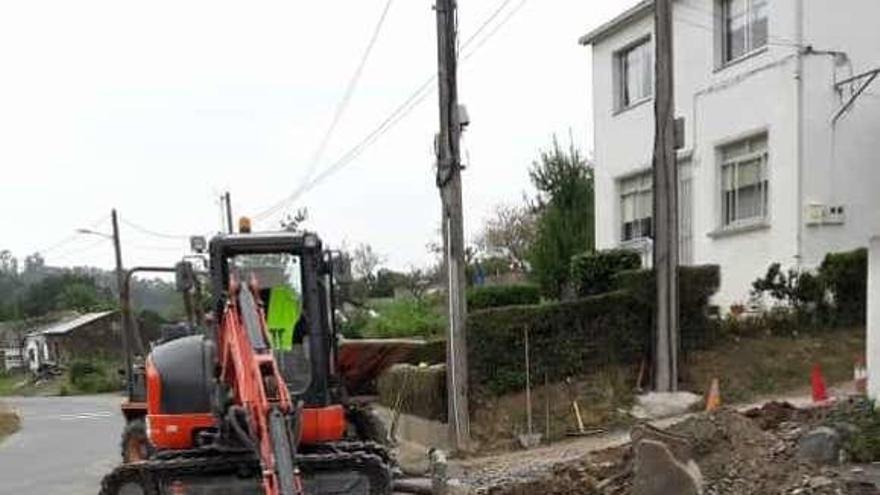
564 207
65 291
34 263
385 282
293 221
10 285
511 231
364 262
8 263
416 282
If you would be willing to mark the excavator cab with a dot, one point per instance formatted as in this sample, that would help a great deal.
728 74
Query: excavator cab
293 278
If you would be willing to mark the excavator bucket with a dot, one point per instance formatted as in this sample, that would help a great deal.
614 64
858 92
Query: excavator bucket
362 361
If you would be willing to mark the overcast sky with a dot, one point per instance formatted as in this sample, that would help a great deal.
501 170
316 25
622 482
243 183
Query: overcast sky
157 107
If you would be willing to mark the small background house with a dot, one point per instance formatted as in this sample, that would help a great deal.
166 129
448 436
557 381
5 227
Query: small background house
92 335
11 354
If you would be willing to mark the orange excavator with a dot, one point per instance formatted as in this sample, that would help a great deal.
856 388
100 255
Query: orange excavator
241 408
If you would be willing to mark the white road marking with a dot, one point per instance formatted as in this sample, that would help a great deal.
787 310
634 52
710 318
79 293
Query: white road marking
77 416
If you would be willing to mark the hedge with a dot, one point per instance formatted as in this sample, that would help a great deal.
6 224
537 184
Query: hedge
494 296
845 275
421 390
575 337
696 286
593 272
565 339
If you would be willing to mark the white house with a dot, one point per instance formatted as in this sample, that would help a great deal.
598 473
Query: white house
781 157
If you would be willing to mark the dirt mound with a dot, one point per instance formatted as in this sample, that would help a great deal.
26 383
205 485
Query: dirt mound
738 454
9 421
773 415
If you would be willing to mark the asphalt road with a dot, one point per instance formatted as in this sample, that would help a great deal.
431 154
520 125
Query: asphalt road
65 445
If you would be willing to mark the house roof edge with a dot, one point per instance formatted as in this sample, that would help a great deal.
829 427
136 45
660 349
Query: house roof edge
612 26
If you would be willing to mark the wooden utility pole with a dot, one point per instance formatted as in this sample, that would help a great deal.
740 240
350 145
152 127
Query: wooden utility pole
449 182
666 340
227 199
124 302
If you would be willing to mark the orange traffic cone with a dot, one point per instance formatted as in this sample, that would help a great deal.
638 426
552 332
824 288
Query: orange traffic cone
713 400
820 392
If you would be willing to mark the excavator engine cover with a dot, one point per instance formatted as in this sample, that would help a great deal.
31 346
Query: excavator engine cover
179 394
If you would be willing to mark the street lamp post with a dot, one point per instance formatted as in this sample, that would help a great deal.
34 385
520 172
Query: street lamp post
124 299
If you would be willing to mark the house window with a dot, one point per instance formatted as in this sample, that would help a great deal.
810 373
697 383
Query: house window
744 185
636 207
635 74
743 27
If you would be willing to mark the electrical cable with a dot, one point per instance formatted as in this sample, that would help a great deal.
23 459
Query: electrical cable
347 96
153 233
88 247
401 111
67 239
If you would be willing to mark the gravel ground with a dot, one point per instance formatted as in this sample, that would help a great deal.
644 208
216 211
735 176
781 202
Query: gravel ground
738 454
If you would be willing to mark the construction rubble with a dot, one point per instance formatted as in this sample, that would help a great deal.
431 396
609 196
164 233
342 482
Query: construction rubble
774 449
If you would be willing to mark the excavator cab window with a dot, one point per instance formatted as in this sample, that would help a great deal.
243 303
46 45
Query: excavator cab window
279 279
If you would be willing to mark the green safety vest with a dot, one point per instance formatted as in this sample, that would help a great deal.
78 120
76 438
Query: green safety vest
284 312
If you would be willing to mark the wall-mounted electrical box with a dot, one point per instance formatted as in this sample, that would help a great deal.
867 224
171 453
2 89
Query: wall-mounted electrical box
822 214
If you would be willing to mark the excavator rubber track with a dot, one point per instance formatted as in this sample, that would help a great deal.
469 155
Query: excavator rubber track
235 472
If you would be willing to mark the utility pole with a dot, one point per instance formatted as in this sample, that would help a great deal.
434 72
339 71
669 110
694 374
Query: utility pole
666 340
124 302
228 200
449 182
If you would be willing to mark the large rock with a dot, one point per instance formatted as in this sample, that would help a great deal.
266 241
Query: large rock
680 446
656 405
657 471
819 446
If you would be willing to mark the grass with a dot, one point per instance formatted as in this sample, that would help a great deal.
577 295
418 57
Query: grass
751 368
82 377
403 317
748 368
9 383
9 422
497 421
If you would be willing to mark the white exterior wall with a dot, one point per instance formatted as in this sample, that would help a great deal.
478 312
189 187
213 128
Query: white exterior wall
12 358
759 93
873 342
842 161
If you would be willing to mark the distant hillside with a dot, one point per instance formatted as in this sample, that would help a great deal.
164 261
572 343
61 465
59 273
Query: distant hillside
37 289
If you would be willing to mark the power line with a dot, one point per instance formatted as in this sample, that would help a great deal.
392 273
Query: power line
65 241
153 233
349 93
486 22
401 111
712 16
501 24
88 247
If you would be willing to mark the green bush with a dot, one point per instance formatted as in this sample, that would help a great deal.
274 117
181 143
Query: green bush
696 286
593 272
565 339
495 296
93 377
845 276
416 390
859 421
406 317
